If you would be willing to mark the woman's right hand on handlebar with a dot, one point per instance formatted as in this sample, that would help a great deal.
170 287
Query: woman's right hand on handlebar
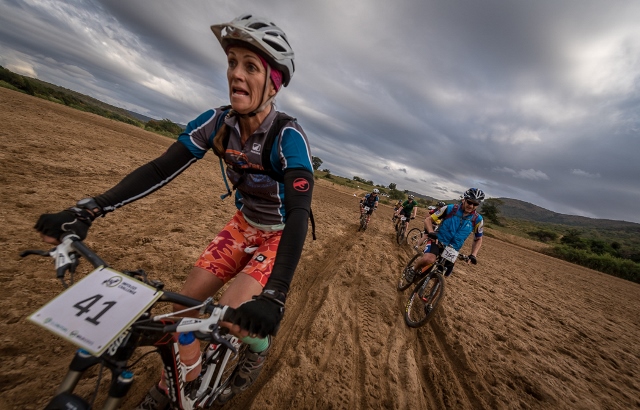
53 227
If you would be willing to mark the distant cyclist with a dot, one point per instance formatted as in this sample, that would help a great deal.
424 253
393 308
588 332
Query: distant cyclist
409 208
370 200
433 210
457 222
397 206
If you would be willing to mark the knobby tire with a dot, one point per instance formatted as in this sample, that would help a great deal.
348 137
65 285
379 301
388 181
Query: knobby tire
400 234
416 313
363 223
414 237
402 281
228 372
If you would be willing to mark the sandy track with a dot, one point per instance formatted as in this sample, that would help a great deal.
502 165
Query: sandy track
519 330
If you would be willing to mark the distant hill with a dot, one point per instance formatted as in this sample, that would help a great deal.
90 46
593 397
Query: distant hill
516 209
141 117
146 119
419 195
88 100
73 99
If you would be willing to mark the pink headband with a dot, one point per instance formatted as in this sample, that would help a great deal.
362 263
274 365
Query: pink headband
276 75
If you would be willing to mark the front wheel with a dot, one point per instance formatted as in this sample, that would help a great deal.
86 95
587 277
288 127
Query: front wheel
221 365
424 300
414 238
400 234
363 222
65 401
403 283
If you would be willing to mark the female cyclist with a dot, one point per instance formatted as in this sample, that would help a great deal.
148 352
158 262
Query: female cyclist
273 199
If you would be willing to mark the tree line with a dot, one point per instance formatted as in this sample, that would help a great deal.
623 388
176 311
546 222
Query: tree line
36 88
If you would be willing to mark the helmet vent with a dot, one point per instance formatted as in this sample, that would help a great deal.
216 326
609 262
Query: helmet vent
257 26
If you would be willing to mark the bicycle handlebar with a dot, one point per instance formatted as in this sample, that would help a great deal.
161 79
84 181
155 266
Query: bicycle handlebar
66 259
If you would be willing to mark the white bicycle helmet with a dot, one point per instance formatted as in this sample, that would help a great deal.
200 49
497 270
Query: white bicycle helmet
474 194
376 191
410 197
261 36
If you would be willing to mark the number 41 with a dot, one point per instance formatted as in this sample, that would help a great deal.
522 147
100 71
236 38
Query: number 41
84 306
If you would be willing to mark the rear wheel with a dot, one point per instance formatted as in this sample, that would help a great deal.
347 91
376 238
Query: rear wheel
414 237
403 283
424 300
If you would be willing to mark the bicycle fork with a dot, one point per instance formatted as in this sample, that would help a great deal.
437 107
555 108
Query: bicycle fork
218 362
431 294
120 382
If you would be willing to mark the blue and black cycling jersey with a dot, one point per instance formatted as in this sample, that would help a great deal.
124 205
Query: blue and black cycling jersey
455 226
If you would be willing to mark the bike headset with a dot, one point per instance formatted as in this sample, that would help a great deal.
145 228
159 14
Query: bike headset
268 41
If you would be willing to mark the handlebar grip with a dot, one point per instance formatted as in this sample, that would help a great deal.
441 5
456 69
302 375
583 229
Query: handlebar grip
85 251
172 328
228 314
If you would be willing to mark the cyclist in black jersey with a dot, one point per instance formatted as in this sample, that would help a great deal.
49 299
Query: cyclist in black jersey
260 62
370 200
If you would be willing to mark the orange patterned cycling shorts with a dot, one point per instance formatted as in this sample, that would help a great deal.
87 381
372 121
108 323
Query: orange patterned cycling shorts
225 256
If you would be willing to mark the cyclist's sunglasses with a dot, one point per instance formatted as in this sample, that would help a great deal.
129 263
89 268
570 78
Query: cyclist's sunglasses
472 203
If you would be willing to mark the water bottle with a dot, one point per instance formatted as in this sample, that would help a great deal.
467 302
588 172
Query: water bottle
189 348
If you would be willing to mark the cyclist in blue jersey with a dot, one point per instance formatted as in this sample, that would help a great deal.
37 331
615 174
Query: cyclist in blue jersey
370 200
273 194
457 222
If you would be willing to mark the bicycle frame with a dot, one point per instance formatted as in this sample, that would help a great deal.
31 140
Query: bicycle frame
147 330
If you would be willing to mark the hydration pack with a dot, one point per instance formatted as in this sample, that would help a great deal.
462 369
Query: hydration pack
454 211
265 157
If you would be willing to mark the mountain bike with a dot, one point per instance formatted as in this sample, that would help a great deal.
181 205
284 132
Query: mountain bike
430 284
401 228
364 218
100 304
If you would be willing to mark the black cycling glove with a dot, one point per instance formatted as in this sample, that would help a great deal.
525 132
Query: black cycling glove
73 220
473 259
433 235
260 316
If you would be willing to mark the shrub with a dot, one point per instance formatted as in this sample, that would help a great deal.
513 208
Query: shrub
606 263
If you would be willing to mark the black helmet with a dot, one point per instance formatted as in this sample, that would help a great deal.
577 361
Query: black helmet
474 194
440 204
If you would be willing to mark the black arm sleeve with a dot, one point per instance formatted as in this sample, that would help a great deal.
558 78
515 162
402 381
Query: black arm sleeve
148 178
298 189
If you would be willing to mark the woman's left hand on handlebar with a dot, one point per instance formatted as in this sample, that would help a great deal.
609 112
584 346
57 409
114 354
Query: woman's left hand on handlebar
53 227
260 317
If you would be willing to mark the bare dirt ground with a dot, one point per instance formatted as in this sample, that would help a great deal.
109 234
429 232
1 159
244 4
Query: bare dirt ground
518 330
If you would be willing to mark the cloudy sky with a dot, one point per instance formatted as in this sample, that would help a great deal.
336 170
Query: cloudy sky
533 100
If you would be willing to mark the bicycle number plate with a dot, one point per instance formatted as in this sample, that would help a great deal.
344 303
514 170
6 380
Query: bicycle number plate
366 208
450 254
403 218
97 309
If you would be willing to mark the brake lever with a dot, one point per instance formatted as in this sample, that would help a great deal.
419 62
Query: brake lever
65 266
215 337
65 258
